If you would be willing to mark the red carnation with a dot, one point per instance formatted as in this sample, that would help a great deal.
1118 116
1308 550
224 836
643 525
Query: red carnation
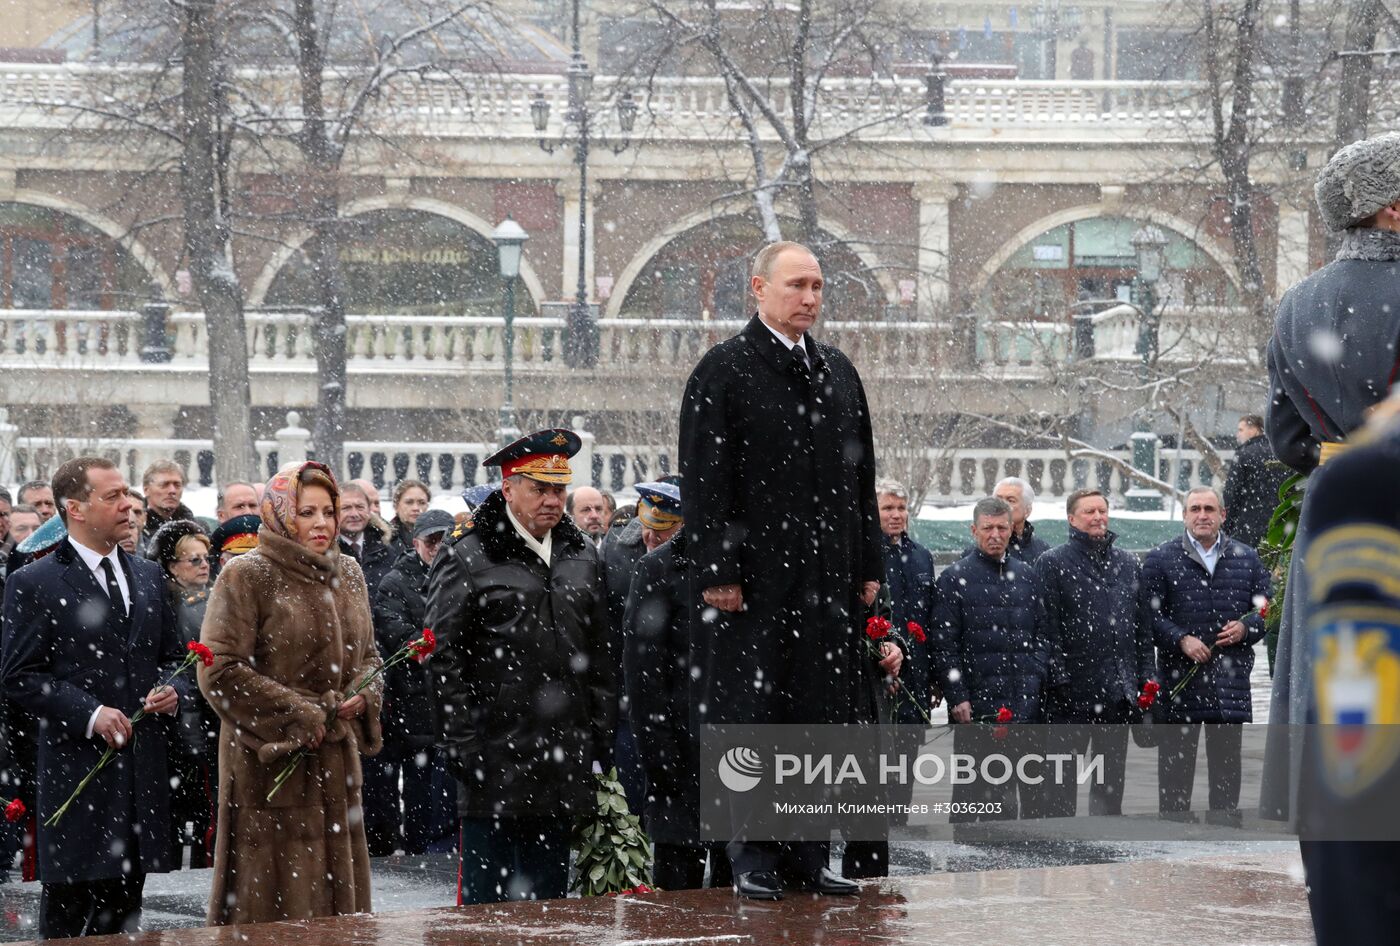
1000 732
917 632
205 655
14 811
1145 700
1264 610
1004 715
877 628
1152 687
425 645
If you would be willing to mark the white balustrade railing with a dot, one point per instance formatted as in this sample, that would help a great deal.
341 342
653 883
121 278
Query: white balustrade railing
1194 333
957 476
419 344
688 108
967 475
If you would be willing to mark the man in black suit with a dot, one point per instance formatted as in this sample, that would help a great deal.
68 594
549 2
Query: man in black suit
88 634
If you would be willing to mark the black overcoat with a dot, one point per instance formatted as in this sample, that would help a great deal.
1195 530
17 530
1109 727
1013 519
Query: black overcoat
522 678
66 654
779 497
656 668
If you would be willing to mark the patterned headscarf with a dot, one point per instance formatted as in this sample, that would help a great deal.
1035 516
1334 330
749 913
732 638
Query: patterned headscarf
283 493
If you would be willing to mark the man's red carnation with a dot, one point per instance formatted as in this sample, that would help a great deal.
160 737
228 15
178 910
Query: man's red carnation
205 655
1152 686
1145 700
917 632
1264 610
1004 715
14 811
877 628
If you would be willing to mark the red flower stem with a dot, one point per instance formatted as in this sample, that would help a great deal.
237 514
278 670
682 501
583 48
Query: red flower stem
136 717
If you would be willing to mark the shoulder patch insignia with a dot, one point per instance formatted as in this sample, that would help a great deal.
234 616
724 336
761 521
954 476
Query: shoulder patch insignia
1356 686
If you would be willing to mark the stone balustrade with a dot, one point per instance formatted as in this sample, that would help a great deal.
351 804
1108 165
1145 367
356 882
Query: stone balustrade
451 344
497 105
959 476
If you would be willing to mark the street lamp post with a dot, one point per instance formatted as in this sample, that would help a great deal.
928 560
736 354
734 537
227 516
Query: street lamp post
509 238
1051 23
581 344
1149 245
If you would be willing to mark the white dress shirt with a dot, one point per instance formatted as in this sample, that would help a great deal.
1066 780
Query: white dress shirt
540 547
93 560
1208 556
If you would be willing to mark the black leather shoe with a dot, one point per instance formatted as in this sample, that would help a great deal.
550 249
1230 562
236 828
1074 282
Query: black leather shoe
832 884
759 885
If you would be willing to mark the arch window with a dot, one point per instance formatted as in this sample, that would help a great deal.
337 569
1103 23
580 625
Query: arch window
707 269
50 260
1094 259
405 262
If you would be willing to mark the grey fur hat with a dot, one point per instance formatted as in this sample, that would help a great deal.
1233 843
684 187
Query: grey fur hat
1359 180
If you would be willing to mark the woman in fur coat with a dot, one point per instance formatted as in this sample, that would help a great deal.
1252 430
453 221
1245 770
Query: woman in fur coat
290 629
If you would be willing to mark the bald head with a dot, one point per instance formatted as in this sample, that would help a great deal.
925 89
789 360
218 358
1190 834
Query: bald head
590 510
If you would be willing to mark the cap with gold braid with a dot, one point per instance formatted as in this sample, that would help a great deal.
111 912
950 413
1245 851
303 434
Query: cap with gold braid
659 505
543 455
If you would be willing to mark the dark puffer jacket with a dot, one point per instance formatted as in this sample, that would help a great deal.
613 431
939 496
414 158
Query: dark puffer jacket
1100 628
656 661
522 677
1186 599
399 609
909 576
990 639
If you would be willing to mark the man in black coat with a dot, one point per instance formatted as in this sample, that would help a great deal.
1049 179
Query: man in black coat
408 796
1101 631
1020 497
622 548
909 576
992 653
1251 488
1205 590
362 540
88 633
522 679
656 666
778 462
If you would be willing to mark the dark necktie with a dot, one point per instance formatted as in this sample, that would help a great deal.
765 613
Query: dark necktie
803 362
114 590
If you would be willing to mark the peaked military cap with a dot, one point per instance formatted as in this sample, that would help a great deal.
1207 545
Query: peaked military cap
543 455
659 504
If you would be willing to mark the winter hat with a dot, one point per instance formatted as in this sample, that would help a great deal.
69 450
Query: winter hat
167 540
1359 180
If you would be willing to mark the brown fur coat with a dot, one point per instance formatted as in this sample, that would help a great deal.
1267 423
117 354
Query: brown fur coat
291 632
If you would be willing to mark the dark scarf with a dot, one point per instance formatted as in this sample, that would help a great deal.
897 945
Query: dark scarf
1368 243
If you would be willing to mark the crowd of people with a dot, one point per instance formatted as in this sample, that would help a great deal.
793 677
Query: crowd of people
571 637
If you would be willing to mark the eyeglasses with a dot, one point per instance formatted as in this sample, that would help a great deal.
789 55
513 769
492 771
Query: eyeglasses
194 561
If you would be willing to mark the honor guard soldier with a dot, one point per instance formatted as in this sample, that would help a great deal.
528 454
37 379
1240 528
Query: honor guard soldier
522 678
